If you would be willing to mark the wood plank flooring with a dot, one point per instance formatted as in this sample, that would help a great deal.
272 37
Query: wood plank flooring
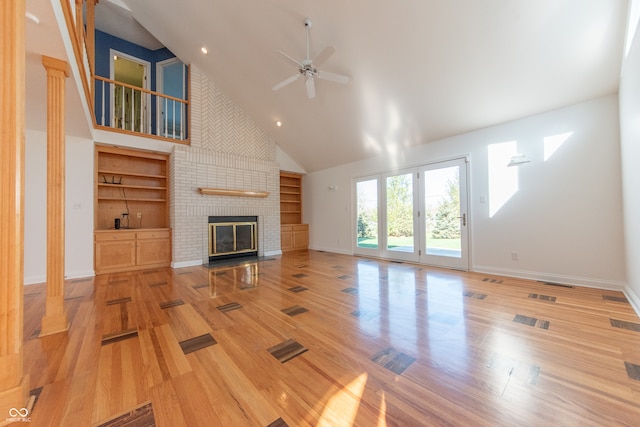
314 338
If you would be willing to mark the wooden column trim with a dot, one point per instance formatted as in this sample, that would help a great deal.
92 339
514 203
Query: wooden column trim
91 38
14 385
55 318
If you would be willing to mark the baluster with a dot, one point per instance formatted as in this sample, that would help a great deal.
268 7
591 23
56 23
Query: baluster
122 113
174 118
103 102
166 118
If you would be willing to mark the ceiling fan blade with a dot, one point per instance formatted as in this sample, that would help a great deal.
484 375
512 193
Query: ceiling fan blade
311 87
324 55
338 78
286 82
290 59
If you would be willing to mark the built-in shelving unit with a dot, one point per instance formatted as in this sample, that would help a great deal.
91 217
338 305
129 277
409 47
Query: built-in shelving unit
294 234
133 187
132 182
290 198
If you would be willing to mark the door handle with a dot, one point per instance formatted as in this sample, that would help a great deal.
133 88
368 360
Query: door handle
464 219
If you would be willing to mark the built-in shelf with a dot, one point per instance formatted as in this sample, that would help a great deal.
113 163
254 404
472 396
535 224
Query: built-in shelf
132 192
140 187
121 173
228 192
293 234
131 199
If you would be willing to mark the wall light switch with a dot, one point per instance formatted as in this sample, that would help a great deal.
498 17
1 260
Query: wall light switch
483 199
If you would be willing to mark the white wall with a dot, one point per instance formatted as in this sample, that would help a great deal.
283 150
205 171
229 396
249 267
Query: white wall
630 151
78 207
286 163
565 221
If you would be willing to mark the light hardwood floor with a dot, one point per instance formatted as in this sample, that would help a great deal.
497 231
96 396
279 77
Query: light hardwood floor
314 338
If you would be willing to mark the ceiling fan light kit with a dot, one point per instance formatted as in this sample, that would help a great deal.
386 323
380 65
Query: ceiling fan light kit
308 70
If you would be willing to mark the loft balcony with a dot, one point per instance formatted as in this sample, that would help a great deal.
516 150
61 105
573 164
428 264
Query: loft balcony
133 84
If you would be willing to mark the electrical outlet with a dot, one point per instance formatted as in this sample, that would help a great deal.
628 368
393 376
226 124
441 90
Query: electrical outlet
514 256
139 215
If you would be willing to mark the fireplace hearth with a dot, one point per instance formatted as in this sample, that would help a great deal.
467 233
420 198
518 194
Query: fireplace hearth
232 237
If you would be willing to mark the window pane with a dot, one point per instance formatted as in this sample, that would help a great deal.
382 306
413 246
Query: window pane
367 232
400 213
442 199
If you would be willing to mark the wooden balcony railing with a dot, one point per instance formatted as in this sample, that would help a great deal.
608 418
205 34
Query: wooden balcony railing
82 36
126 108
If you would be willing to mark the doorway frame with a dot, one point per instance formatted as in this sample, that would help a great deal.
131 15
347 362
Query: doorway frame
381 251
144 98
160 85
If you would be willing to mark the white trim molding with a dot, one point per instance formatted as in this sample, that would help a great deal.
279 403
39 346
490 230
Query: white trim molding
633 298
550 277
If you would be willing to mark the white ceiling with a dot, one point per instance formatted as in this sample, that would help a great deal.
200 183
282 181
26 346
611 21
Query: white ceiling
420 70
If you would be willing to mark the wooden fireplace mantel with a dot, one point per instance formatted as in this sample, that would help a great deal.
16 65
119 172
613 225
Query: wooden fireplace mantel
228 192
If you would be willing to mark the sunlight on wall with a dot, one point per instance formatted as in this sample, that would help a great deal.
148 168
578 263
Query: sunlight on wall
632 25
342 407
503 180
552 143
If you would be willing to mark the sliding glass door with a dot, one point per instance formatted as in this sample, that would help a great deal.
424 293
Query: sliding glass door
422 212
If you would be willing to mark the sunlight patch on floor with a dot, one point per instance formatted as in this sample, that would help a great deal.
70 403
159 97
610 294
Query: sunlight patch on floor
343 405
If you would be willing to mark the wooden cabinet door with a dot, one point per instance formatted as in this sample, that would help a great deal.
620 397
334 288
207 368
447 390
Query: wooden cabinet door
301 238
286 239
115 255
153 252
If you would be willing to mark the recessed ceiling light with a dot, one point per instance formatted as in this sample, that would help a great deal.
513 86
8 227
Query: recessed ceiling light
279 123
204 50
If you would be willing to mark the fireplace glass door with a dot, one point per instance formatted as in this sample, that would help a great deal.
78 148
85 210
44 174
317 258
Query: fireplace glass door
232 238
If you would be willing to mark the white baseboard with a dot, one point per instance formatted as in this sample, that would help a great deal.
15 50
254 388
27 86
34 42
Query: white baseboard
633 298
183 264
550 277
79 274
273 253
332 250
32 280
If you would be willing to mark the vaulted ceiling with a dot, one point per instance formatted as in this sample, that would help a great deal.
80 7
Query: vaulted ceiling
420 70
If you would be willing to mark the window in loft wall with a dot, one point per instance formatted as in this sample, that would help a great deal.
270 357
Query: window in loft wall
171 110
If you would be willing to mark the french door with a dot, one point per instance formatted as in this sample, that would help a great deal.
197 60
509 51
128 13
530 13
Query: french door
418 214
443 221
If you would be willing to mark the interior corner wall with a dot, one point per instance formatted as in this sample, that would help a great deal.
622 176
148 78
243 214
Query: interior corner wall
227 151
78 207
630 153
564 220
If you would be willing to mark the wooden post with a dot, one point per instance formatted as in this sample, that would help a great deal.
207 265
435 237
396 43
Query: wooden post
14 385
55 318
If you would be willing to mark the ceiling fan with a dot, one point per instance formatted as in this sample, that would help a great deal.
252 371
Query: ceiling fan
308 69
